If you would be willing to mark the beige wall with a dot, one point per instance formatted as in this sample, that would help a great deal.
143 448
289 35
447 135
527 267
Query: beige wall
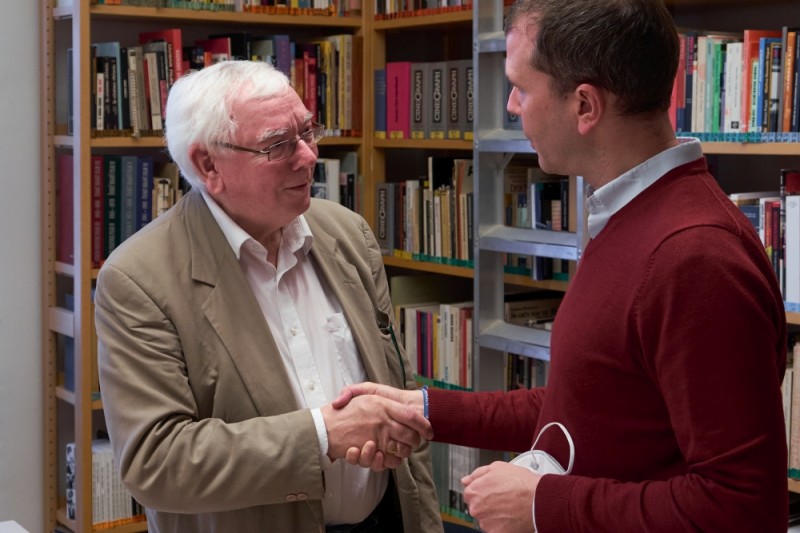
20 285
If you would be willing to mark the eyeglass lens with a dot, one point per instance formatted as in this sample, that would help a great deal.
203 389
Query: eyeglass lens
286 148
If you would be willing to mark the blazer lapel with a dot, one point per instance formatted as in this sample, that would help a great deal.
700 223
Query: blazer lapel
343 279
234 313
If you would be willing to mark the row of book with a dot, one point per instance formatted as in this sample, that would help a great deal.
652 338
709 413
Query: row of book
391 9
337 180
127 192
112 504
775 214
535 199
299 7
738 83
430 218
436 330
425 100
130 83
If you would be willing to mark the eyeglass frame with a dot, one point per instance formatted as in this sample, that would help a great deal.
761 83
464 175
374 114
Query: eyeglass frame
317 132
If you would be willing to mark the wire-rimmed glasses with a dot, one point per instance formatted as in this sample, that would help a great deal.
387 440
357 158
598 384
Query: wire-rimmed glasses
283 149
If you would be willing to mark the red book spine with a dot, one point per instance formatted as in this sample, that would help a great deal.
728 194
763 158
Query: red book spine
398 100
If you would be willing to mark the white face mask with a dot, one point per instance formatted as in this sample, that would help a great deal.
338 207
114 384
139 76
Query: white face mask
542 462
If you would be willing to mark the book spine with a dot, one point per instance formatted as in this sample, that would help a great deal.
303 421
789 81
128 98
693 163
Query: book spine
419 100
398 88
437 122
380 103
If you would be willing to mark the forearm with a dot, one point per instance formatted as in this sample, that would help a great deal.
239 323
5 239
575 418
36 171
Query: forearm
489 420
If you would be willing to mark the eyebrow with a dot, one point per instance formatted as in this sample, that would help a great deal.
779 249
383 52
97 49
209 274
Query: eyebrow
270 134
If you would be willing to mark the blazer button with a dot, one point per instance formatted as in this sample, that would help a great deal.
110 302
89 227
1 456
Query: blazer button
302 496
291 497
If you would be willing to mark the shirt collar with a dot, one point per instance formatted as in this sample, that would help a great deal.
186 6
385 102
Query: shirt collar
617 193
296 234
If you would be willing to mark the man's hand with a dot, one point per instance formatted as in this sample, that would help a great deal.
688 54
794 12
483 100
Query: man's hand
394 429
500 497
372 455
412 399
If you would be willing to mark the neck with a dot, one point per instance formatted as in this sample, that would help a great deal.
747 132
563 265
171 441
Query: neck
627 143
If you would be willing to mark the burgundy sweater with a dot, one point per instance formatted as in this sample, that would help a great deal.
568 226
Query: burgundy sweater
667 356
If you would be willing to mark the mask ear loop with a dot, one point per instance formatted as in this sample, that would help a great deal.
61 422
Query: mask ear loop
569 440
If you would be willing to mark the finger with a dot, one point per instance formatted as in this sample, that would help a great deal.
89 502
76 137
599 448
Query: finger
378 462
391 447
403 450
403 434
345 395
391 461
367 454
352 455
351 391
478 472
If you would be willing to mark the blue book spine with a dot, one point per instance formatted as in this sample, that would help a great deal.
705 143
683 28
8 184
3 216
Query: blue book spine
144 191
380 103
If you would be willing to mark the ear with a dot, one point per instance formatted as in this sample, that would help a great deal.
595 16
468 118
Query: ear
206 167
591 104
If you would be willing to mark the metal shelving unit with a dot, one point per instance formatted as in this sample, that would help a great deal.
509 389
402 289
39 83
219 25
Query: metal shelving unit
493 149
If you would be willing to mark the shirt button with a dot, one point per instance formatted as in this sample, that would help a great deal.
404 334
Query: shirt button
293 332
310 385
291 497
302 497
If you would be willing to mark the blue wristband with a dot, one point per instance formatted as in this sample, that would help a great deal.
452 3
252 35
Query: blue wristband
425 401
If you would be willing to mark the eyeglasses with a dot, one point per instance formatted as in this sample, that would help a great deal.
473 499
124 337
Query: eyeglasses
284 149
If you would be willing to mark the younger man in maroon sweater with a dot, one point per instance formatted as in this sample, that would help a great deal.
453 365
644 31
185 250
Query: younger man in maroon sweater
669 349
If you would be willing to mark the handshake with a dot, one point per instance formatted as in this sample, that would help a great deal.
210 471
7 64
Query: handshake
375 426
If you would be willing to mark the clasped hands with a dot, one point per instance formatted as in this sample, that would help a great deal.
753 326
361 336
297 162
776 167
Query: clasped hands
375 426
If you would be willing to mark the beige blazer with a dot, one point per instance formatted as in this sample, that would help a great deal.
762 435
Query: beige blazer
205 429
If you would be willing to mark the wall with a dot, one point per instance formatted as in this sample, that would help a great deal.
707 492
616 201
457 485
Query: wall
20 279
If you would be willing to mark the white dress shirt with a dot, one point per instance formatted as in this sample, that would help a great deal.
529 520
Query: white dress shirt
316 346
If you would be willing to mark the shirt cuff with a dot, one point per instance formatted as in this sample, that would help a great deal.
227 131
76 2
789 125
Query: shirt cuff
322 436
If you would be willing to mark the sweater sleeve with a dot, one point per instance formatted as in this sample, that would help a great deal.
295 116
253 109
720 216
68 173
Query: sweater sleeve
710 325
503 421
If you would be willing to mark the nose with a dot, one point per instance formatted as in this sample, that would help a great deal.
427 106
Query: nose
512 106
306 154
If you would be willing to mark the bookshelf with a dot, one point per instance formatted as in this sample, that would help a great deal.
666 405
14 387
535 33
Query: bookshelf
424 37
75 414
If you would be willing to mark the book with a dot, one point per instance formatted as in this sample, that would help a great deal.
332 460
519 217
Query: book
436 124
762 83
455 99
732 122
127 196
380 103
97 228
137 100
144 190
153 87
420 100
469 104
112 187
385 209
398 89
111 50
